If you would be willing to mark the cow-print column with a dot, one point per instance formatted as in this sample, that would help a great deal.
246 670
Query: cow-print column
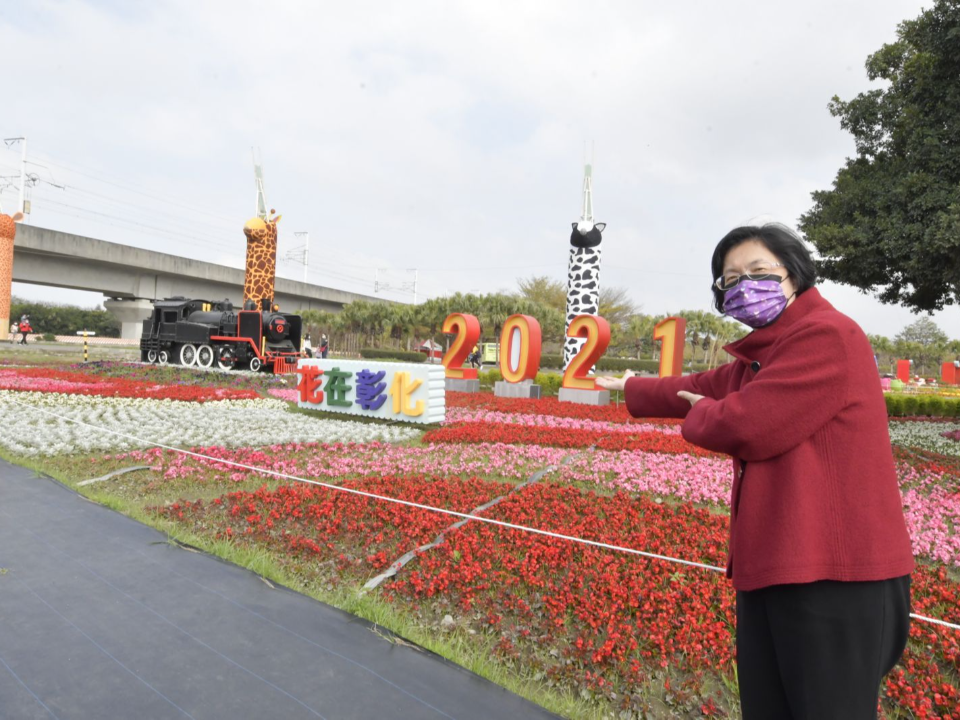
583 279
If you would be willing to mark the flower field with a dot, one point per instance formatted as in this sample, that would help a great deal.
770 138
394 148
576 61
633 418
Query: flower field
600 633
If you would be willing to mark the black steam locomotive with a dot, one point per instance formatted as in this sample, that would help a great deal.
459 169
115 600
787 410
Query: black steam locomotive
199 332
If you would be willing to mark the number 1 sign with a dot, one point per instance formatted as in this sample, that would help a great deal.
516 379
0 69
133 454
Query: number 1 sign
672 333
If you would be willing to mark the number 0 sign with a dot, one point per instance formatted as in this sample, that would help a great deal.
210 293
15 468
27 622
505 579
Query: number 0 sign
520 345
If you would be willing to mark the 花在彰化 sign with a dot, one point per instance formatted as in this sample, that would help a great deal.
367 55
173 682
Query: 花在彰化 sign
406 392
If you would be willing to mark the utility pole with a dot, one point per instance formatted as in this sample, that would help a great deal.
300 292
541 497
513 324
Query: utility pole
404 287
258 177
23 172
306 251
9 142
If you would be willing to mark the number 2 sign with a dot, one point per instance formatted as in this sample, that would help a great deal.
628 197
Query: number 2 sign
467 330
597 332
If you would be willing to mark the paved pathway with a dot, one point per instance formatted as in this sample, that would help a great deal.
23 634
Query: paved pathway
100 618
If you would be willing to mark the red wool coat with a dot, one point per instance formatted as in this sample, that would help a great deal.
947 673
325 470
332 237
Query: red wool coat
815 493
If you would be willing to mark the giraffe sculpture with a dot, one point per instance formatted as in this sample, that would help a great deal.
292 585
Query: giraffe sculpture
261 259
583 268
8 230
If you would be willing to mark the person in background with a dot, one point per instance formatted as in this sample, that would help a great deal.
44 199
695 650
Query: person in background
324 346
24 328
818 551
14 329
474 358
307 346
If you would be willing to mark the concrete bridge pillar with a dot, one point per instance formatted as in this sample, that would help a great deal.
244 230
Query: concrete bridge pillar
131 314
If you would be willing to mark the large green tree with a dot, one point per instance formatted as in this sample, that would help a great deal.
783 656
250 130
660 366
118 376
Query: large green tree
544 289
924 343
616 306
891 223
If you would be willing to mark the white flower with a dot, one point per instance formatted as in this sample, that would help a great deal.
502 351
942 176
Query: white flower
40 424
925 435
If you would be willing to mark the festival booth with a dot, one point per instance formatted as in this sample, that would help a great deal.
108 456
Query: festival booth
433 351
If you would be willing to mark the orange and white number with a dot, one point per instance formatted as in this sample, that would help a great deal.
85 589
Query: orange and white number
467 329
520 346
672 333
597 332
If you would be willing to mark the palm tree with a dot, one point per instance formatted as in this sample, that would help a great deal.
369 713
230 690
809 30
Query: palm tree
639 332
725 332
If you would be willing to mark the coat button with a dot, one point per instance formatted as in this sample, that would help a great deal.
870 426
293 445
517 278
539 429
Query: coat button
755 366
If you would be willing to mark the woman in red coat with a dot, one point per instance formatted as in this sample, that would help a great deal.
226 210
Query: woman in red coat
819 552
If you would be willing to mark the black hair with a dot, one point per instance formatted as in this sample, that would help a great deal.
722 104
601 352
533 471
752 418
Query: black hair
780 240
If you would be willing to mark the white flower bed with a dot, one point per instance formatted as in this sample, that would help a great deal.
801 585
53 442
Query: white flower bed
37 424
925 435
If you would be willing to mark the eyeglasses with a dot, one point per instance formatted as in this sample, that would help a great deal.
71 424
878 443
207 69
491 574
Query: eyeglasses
760 271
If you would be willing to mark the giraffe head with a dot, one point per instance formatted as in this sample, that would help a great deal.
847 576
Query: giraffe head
259 229
8 225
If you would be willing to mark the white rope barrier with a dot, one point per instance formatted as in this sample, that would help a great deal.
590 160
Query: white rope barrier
420 506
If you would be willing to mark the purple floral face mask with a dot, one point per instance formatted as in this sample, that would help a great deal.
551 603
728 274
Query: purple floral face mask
755 302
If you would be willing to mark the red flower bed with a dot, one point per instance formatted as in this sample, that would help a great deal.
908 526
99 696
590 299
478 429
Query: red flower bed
928 461
357 532
550 406
70 382
609 612
925 681
488 432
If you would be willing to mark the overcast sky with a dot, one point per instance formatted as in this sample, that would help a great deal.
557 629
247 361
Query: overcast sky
443 136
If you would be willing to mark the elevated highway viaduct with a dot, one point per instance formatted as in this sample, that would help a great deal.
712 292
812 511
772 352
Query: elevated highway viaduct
130 277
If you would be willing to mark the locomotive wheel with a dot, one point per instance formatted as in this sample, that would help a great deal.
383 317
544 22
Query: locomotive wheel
255 364
225 358
164 357
151 356
188 354
205 356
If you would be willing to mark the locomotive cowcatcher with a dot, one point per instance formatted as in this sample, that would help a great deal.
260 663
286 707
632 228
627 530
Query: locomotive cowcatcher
200 332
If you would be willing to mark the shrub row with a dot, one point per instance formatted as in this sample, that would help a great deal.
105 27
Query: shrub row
390 354
928 405
608 364
549 382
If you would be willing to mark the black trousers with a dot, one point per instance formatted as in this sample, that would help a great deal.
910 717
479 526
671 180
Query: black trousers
819 651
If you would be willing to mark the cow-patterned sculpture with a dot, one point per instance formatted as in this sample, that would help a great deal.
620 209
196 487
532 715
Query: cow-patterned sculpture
583 268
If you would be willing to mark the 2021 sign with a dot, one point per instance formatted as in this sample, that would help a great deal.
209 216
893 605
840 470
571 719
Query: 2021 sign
521 345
